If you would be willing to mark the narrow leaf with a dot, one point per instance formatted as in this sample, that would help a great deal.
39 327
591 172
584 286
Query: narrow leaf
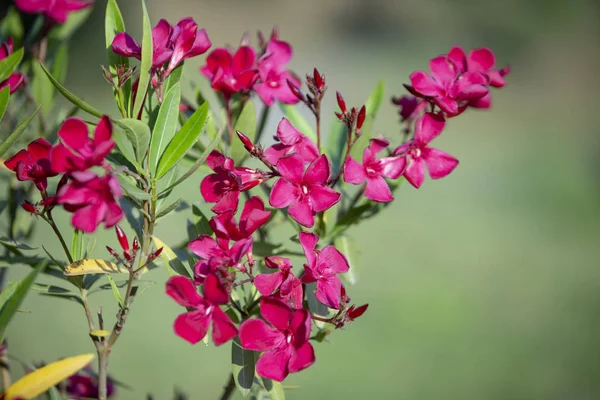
172 263
242 366
7 292
348 219
115 290
77 245
246 123
12 138
349 248
126 149
293 115
200 221
183 140
9 64
166 210
165 126
93 266
372 107
4 97
173 78
146 63
274 388
40 380
13 303
113 24
131 190
138 134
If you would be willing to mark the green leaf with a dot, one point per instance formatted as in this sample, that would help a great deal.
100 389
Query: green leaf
77 245
348 219
172 263
314 305
11 25
264 249
146 64
212 145
131 190
115 291
13 303
294 116
4 97
166 210
243 363
246 123
56 292
7 292
183 140
200 221
166 125
274 389
138 134
372 107
349 248
126 149
60 63
12 138
82 105
113 24
10 63
173 78
13 244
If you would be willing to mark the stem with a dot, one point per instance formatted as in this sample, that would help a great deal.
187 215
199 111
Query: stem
318 118
48 218
349 144
103 372
228 389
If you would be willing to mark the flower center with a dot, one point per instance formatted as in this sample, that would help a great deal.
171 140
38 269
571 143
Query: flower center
289 337
370 171
273 84
415 152
304 189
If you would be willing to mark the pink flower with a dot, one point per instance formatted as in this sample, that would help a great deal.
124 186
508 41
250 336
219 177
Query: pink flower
419 154
292 141
162 44
253 217
77 152
216 254
16 79
193 325
284 343
33 164
189 42
448 88
92 199
410 107
224 186
282 284
273 75
323 267
481 61
374 170
230 74
305 192
55 10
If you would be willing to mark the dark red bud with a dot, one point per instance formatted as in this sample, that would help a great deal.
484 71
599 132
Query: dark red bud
122 238
361 118
154 255
250 185
63 181
29 207
340 116
112 252
341 102
136 244
246 141
274 33
355 313
295 90
318 79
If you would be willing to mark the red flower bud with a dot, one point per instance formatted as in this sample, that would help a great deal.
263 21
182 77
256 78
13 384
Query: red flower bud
319 81
112 252
63 181
340 116
29 207
355 313
295 90
136 244
154 255
341 102
361 118
246 141
122 238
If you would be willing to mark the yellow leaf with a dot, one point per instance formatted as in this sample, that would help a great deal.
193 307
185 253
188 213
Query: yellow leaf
100 333
93 266
40 380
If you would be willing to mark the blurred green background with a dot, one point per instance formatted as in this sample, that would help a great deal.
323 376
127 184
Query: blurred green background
483 285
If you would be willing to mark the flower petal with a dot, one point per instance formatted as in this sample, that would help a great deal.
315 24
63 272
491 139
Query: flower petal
424 84
428 127
192 326
223 329
308 241
268 283
124 45
378 190
214 291
74 133
319 171
282 194
257 335
301 212
392 167
302 358
323 197
443 70
439 163
276 312
183 291
103 130
333 260
354 172
329 292
274 364
481 59
228 202
291 168
204 246
287 133
415 172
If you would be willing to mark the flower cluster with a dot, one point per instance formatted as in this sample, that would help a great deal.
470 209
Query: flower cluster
92 198
57 11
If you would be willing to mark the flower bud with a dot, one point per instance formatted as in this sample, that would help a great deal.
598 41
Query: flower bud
354 313
112 252
122 237
319 81
361 118
295 90
136 244
245 141
154 255
29 207
341 102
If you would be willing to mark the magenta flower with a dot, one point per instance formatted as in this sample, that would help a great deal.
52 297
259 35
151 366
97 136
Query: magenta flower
162 44
216 254
77 152
230 74
284 344
55 10
292 141
282 284
305 192
224 186
192 326
273 75
374 170
189 42
84 386
253 217
448 88
410 107
33 164
92 199
323 267
481 61
419 154
16 79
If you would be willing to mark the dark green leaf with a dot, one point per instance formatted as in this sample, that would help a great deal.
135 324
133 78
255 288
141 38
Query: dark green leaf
172 263
71 97
293 115
113 24
126 149
11 25
183 140
349 248
201 222
166 125
12 244
314 305
9 64
264 249
12 304
138 134
166 210
246 123
242 366
274 389
12 138
146 64
131 190
7 292
60 63
4 97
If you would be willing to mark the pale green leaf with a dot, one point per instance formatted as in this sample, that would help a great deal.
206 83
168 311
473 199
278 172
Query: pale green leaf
138 134
146 64
274 388
165 126
173 265
349 248
12 138
4 97
9 64
115 291
243 363
246 123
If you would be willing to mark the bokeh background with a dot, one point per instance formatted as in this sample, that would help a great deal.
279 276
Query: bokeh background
483 285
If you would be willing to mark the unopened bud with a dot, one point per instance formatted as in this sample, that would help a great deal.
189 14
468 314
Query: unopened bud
361 118
107 75
63 181
245 141
341 102
136 244
122 237
154 255
112 252
29 207
340 116
354 313
319 81
295 90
